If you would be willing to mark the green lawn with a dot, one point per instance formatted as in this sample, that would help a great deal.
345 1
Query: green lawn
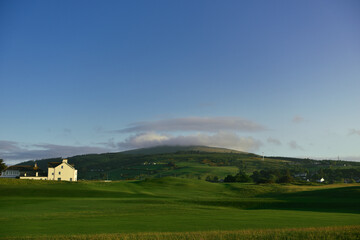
38 208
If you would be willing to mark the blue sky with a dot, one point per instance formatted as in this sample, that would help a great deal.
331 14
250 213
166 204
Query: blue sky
279 77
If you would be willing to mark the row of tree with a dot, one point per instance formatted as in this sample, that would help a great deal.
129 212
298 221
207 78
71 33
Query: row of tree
288 176
263 176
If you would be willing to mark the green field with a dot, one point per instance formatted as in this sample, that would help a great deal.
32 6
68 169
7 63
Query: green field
105 210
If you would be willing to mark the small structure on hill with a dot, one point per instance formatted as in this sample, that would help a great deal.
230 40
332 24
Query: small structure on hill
321 180
24 172
61 171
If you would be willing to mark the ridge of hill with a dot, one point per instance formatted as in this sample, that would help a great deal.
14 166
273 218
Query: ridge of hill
197 162
174 149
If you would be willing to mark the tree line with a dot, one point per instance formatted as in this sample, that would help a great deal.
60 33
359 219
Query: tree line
287 176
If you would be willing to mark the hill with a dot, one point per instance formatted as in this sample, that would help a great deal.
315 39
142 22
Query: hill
176 149
197 162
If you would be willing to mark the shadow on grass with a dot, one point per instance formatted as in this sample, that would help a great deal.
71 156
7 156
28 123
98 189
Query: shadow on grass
336 200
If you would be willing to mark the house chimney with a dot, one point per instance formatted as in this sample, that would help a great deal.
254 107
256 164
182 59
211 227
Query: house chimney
65 161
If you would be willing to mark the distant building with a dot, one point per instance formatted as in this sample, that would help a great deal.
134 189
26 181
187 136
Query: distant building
301 175
24 172
321 180
61 171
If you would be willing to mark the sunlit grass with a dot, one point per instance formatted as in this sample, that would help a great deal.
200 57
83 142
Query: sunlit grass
328 233
179 207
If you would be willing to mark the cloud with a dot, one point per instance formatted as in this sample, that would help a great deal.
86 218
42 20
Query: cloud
354 132
297 119
67 131
220 139
14 152
199 124
351 158
8 146
110 143
294 145
274 141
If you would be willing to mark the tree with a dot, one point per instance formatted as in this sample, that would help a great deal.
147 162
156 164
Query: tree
229 178
242 177
212 178
256 176
2 165
172 164
285 177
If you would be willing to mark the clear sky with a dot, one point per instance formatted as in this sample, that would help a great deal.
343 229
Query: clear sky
275 77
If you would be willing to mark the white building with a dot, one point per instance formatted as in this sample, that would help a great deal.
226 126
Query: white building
24 172
321 180
61 171
10 173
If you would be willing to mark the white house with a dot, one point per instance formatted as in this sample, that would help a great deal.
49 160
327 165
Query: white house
24 172
61 171
321 180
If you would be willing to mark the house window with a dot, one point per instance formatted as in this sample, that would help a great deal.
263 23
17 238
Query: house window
62 167
59 179
59 173
70 179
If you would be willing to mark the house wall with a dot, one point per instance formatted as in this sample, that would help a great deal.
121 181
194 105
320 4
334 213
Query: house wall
34 178
62 172
51 173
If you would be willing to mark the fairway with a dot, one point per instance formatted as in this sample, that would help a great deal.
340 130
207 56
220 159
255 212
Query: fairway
44 208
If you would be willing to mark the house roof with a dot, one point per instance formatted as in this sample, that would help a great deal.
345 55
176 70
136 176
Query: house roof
21 168
29 170
53 164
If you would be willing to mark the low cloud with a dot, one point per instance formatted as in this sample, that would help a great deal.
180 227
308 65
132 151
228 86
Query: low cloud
199 124
351 158
354 132
67 131
274 141
13 152
297 119
294 145
220 139
8 146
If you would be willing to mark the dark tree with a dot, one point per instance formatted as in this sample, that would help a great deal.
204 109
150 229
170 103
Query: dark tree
172 164
242 177
229 178
2 165
212 179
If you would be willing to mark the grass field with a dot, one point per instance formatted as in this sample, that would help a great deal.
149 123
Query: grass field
175 208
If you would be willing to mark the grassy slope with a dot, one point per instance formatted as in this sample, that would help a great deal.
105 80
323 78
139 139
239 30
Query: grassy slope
36 208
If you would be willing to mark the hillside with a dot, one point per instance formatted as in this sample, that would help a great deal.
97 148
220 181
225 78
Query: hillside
189 162
176 149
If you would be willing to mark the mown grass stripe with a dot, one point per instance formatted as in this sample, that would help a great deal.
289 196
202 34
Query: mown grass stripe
328 233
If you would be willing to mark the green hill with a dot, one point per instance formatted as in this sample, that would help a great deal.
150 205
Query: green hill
197 162
176 149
